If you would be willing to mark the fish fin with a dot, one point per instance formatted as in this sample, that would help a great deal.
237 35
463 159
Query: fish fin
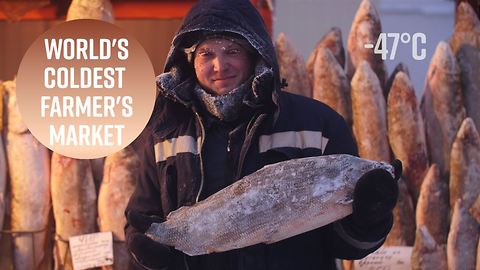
173 213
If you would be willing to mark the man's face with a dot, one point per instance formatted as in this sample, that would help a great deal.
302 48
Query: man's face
221 65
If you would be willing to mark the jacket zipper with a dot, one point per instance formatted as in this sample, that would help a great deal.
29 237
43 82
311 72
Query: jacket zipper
243 152
202 177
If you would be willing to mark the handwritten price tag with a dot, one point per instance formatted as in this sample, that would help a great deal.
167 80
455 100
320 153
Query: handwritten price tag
386 258
91 250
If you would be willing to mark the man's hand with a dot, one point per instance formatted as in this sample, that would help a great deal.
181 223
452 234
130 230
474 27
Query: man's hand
146 251
375 196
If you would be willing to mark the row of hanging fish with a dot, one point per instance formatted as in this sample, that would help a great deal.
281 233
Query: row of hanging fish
438 211
86 195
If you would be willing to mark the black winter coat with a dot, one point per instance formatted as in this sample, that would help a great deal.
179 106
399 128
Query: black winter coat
190 155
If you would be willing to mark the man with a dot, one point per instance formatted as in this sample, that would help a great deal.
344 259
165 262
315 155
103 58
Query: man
220 115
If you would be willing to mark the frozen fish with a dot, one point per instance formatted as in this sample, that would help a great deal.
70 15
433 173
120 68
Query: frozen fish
369 115
276 202
122 170
29 171
406 132
330 84
292 68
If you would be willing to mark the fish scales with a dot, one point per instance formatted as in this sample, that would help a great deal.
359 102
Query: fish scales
292 67
465 165
332 41
433 207
462 239
366 28
74 203
369 115
29 171
442 106
428 254
122 170
330 84
406 133
272 204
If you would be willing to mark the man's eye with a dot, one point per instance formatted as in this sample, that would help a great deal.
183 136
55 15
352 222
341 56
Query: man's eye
205 53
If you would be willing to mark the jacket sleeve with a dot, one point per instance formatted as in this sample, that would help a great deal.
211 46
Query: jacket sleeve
146 196
347 240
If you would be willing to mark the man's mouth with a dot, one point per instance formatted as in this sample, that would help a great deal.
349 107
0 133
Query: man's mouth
223 78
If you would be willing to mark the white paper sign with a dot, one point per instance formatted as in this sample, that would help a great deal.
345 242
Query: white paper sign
386 258
91 250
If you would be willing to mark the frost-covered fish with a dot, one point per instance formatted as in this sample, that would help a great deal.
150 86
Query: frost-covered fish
292 68
29 170
442 106
428 254
369 115
403 229
366 28
467 28
121 172
432 206
469 62
330 84
462 239
91 9
276 202
465 165
74 203
332 41
400 67
406 132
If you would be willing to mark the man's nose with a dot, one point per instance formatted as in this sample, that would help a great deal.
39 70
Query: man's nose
220 63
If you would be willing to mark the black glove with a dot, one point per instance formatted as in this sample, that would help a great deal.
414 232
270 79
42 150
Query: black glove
375 196
146 251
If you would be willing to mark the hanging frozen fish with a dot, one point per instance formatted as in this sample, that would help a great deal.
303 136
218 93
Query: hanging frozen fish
442 106
276 202
388 85
403 229
462 239
428 254
74 204
432 207
465 165
369 115
406 132
91 9
469 62
332 41
467 28
330 84
292 68
121 172
29 170
366 28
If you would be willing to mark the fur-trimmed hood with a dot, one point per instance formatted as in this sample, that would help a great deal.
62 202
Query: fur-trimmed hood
235 16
